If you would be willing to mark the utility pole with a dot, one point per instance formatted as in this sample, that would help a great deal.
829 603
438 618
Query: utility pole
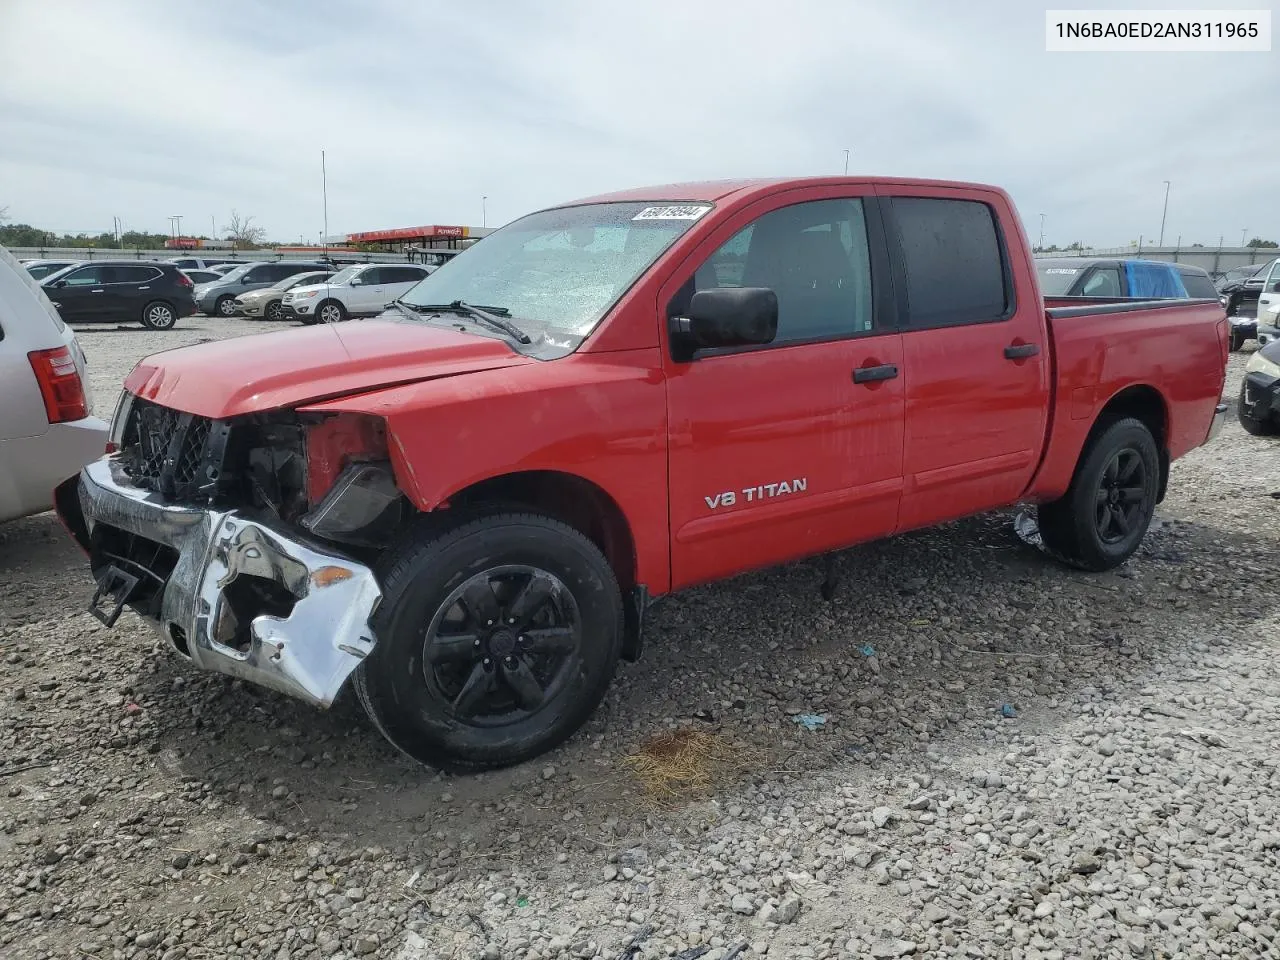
179 219
846 163
1042 232
324 191
484 213
213 227
1243 233
1166 212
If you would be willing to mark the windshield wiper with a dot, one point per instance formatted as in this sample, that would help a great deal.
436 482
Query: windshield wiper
492 317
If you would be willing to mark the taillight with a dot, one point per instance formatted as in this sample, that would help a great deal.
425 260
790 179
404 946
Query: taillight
60 384
184 280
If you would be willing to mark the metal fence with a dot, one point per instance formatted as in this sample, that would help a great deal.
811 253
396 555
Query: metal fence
243 256
1213 259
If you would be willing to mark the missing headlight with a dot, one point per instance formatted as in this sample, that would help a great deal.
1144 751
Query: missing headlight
360 503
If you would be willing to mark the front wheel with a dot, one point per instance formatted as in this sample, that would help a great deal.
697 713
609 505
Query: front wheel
1101 520
272 311
225 307
496 639
159 315
331 311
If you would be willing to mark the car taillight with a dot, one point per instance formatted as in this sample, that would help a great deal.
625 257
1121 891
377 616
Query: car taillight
184 280
60 384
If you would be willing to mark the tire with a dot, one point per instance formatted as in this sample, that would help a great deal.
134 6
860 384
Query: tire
272 311
490 695
1237 340
1259 427
159 315
1099 524
330 311
225 307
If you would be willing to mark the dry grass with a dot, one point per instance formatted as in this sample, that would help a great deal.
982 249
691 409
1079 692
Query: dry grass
682 765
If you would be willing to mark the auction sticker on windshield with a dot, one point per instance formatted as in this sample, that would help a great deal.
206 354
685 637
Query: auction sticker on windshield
672 212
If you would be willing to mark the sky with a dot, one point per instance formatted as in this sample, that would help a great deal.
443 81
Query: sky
144 109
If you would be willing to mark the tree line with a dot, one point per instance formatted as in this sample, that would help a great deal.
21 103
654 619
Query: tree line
241 231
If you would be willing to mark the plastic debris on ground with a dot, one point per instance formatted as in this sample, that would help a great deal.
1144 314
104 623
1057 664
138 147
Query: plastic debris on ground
1008 711
867 650
811 721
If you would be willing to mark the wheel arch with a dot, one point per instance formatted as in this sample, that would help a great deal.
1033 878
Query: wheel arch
583 505
1144 403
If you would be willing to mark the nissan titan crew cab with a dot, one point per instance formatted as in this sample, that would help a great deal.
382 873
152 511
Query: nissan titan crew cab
462 507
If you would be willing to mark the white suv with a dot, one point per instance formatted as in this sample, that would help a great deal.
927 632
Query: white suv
359 291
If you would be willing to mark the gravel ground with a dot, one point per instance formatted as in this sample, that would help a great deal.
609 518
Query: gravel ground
1017 761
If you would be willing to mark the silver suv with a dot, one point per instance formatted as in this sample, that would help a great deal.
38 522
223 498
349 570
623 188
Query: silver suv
219 298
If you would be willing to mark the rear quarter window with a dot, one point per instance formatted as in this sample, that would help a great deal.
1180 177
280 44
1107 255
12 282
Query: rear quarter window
955 269
1198 287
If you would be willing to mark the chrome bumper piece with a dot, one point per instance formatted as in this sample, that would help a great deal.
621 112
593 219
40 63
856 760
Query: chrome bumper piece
308 654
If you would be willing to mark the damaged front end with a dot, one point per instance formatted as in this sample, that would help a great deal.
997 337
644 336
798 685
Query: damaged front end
245 540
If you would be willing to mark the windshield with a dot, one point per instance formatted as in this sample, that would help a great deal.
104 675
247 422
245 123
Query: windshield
1056 280
559 272
237 272
342 276
39 271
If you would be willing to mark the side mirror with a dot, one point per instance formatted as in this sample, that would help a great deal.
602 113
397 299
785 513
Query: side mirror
727 317
58 284
1275 287
356 282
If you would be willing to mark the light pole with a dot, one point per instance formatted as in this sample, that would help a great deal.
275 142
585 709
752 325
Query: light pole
846 163
1042 232
1243 233
179 219
324 195
484 212
1166 212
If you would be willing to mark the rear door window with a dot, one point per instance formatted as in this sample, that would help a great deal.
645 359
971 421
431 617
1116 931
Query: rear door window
1199 286
955 268
135 274
1103 282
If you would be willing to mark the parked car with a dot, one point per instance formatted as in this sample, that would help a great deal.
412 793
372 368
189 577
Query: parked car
1100 277
201 277
1196 281
357 291
47 427
464 506
1259 406
1239 290
222 269
265 303
220 297
153 293
39 269
201 263
1268 319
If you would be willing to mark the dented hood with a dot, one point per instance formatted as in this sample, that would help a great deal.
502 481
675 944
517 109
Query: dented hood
225 378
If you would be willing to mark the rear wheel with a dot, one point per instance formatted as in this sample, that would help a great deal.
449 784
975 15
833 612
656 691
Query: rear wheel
497 638
1258 426
272 311
331 311
1101 520
159 315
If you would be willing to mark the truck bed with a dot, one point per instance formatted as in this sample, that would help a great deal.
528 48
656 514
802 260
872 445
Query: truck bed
1170 352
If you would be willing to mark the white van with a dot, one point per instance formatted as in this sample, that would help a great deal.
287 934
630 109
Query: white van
47 428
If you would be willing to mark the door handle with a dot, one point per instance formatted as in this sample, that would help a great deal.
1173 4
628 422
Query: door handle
886 371
99 290
148 287
1020 351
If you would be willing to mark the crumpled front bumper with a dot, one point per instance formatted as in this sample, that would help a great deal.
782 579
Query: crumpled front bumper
307 652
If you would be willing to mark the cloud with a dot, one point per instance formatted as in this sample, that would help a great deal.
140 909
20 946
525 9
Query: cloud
145 108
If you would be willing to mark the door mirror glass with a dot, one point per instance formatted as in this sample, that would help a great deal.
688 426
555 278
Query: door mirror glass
728 317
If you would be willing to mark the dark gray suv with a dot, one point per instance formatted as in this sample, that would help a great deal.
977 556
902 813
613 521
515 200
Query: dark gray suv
219 298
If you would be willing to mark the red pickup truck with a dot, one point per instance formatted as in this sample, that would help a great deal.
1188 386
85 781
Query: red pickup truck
465 505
